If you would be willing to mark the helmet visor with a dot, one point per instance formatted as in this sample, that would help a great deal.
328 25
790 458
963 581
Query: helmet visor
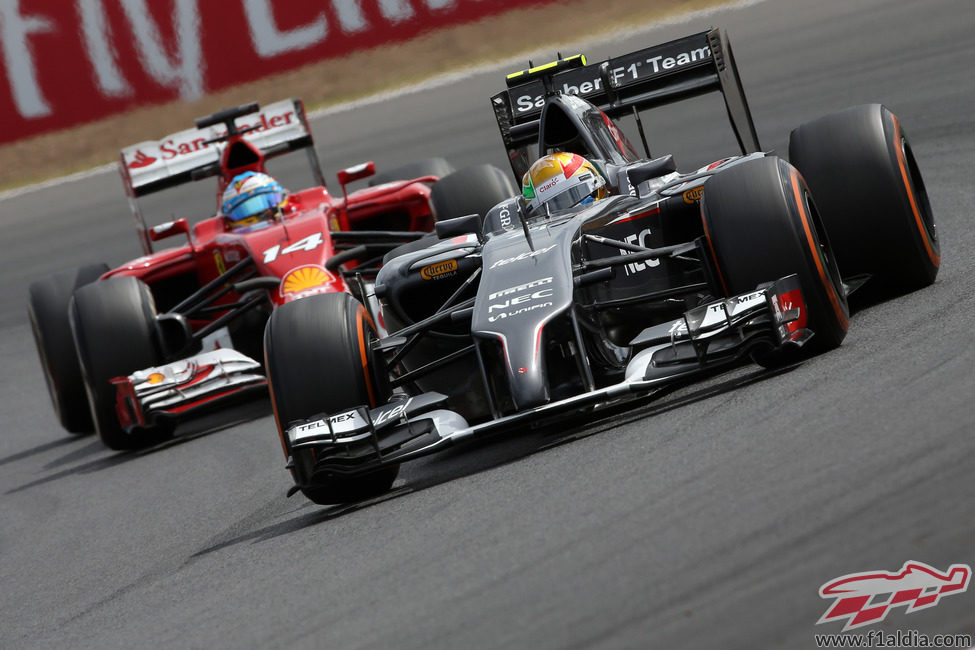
255 205
571 197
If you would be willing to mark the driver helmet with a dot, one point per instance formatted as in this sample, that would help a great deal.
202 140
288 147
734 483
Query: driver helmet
251 201
561 180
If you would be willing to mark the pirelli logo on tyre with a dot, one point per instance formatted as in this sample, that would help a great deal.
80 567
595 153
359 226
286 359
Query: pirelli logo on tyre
439 270
693 195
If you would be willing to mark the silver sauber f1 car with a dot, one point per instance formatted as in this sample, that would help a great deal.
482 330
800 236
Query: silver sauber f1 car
546 310
131 351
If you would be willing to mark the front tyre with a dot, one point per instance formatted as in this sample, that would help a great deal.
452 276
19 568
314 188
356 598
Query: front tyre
868 186
761 225
320 360
47 308
114 326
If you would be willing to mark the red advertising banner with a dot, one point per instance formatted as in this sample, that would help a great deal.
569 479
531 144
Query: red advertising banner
64 62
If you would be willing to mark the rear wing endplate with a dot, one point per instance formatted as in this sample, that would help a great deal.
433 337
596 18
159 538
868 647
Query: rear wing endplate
658 75
185 156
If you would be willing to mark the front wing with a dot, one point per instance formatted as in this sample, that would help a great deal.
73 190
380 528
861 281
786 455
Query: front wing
185 387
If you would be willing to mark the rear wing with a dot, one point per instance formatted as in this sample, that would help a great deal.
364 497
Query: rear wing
651 77
192 154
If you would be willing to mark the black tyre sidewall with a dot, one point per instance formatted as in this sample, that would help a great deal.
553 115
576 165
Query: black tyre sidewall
472 190
47 308
761 226
113 323
319 361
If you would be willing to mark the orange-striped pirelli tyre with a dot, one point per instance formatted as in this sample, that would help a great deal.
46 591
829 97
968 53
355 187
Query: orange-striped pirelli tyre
320 361
761 225
868 186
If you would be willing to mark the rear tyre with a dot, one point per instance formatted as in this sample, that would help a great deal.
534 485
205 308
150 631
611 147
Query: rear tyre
471 190
114 327
761 225
868 186
47 308
319 360
438 167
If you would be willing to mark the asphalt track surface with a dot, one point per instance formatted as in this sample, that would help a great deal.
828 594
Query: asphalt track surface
706 520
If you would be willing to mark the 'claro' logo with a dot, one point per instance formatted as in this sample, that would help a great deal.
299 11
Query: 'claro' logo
694 194
439 270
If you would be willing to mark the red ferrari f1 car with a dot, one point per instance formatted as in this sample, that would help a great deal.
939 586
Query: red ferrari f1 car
132 350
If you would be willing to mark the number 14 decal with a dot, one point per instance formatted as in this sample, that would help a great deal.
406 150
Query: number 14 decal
309 243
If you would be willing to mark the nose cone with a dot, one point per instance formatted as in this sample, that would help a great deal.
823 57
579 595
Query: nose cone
523 288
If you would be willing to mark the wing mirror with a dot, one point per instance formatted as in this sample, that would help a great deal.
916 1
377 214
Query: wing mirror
170 228
354 173
642 172
350 174
466 225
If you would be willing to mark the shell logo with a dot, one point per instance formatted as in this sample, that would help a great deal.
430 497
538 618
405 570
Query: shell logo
305 281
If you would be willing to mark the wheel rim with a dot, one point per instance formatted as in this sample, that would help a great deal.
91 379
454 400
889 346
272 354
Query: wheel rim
917 188
917 195
824 250
822 253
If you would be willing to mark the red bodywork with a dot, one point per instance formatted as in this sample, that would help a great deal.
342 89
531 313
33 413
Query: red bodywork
293 248
300 239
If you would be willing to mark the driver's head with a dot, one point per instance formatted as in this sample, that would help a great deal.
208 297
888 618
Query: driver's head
559 181
251 200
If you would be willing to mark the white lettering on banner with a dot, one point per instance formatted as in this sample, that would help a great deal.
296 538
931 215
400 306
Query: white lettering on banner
270 41
134 48
186 72
18 59
98 43
396 10
350 16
